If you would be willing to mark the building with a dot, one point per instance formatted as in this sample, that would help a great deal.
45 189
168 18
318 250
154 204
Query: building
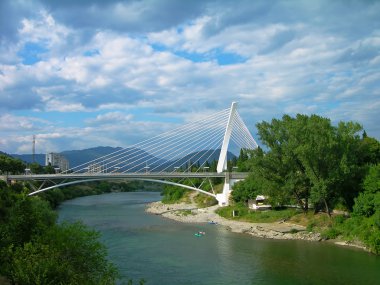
58 161
260 203
95 168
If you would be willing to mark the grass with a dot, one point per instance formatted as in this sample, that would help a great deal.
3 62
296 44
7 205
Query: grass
204 201
247 215
184 212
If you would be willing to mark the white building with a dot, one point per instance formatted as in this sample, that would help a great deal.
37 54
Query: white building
57 161
260 203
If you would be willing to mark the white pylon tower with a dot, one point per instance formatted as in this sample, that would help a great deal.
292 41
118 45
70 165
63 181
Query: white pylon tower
222 162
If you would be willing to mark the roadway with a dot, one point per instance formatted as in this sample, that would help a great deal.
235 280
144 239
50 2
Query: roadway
135 175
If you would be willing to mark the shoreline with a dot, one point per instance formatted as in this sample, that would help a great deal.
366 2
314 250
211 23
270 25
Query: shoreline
190 213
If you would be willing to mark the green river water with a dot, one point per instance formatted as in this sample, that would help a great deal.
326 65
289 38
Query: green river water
165 252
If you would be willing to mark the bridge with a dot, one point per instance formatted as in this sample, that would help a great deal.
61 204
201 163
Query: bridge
169 158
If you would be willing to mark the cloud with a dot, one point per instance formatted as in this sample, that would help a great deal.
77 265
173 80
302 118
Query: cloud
110 118
125 16
130 69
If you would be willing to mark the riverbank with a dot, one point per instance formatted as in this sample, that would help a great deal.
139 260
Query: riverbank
189 213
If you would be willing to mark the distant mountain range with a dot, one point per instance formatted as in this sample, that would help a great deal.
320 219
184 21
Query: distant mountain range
75 157
78 157
28 158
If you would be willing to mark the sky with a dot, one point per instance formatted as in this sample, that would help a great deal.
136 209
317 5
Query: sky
81 74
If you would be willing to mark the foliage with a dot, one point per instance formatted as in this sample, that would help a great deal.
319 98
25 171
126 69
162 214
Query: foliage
35 250
172 194
36 168
10 165
204 201
245 190
245 214
308 160
330 233
364 224
58 195
65 254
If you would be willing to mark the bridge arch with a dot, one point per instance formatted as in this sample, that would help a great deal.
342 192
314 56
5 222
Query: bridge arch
138 179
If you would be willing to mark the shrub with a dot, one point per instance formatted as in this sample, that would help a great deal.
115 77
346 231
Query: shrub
330 233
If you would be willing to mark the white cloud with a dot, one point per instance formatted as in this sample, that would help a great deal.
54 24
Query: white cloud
10 122
45 29
110 118
291 61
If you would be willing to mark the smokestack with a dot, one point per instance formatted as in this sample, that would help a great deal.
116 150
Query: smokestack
34 149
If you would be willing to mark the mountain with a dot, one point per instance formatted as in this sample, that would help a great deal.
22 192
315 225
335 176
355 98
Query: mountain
75 157
201 157
28 158
78 157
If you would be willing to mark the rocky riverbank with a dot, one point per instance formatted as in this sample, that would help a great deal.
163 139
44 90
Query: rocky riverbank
189 213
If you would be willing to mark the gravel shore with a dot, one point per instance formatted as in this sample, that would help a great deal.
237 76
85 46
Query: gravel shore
189 213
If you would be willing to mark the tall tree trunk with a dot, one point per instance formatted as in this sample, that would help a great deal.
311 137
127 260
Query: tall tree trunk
306 205
327 207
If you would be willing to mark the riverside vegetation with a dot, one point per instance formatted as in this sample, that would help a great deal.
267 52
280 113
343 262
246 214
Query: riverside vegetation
35 249
329 175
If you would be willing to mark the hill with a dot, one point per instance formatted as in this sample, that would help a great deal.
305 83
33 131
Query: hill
78 157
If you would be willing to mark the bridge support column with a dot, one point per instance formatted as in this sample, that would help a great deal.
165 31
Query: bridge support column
223 198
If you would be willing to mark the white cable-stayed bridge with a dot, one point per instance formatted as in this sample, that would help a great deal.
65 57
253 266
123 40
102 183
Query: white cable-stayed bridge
182 153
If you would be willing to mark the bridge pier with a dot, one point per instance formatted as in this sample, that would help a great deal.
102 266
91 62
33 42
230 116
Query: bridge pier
223 198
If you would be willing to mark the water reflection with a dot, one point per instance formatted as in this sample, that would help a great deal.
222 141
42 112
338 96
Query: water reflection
167 252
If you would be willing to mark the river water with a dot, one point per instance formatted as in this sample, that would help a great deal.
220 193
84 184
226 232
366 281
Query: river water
166 252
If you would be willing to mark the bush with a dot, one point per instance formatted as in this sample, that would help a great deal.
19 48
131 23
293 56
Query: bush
172 194
330 233
66 254
310 226
339 219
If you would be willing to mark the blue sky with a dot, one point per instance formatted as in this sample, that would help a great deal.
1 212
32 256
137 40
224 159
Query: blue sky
80 74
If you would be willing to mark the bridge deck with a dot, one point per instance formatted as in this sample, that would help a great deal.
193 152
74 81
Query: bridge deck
147 175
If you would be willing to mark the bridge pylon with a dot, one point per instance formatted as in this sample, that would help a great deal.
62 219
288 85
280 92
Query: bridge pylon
223 198
222 162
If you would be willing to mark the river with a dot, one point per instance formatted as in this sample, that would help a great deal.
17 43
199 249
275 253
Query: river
166 252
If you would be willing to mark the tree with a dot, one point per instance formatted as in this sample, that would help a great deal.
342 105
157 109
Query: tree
370 150
245 190
11 165
308 159
27 217
284 177
65 254
35 168
368 202
365 221
48 169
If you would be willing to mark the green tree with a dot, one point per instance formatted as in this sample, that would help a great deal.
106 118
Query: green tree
365 221
370 150
245 190
283 176
27 218
48 169
35 168
11 165
308 159
65 254
368 202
